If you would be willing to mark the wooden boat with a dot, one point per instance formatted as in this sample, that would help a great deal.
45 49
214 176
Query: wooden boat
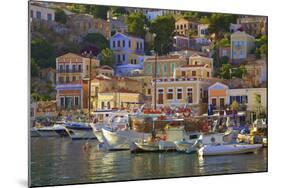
147 145
230 149
156 145
184 146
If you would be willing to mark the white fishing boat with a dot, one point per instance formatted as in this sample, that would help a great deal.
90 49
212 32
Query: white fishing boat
59 128
118 120
189 143
229 149
97 130
121 139
79 131
47 132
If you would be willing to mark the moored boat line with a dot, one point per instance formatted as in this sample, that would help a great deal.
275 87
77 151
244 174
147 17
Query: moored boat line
122 130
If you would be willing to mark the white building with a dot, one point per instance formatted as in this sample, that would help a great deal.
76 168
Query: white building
39 12
152 15
241 45
220 95
203 30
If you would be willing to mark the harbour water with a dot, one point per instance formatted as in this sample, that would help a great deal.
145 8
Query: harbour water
56 161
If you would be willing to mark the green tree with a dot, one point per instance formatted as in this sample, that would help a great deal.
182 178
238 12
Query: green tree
107 57
234 105
163 27
43 53
225 71
261 46
224 43
205 20
60 16
117 11
34 68
219 25
98 40
136 24
36 97
100 11
239 72
77 8
224 60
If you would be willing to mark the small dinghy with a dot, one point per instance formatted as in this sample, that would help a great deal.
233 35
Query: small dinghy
186 147
230 149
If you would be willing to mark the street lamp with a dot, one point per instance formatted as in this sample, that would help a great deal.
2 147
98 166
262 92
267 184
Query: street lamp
89 54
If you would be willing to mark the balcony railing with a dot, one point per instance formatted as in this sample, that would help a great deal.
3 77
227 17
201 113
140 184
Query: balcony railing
69 71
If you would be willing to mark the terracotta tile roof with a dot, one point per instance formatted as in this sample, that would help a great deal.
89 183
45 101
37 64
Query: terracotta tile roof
105 67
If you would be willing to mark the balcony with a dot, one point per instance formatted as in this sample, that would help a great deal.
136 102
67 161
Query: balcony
70 71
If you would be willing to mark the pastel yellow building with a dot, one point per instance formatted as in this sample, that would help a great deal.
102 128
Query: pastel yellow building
145 83
165 65
102 85
256 73
241 45
73 67
118 99
184 26
197 59
182 91
193 71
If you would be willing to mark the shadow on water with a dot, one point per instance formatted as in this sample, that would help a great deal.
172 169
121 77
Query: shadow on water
63 161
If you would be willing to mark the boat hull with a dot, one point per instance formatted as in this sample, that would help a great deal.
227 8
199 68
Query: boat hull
183 146
34 133
99 136
121 140
48 133
148 146
232 149
80 134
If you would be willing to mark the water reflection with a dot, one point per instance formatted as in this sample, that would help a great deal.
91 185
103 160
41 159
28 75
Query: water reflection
62 161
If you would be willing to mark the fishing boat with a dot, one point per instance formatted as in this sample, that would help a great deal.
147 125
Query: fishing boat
121 139
115 120
47 131
190 140
80 131
59 128
97 130
146 145
229 149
